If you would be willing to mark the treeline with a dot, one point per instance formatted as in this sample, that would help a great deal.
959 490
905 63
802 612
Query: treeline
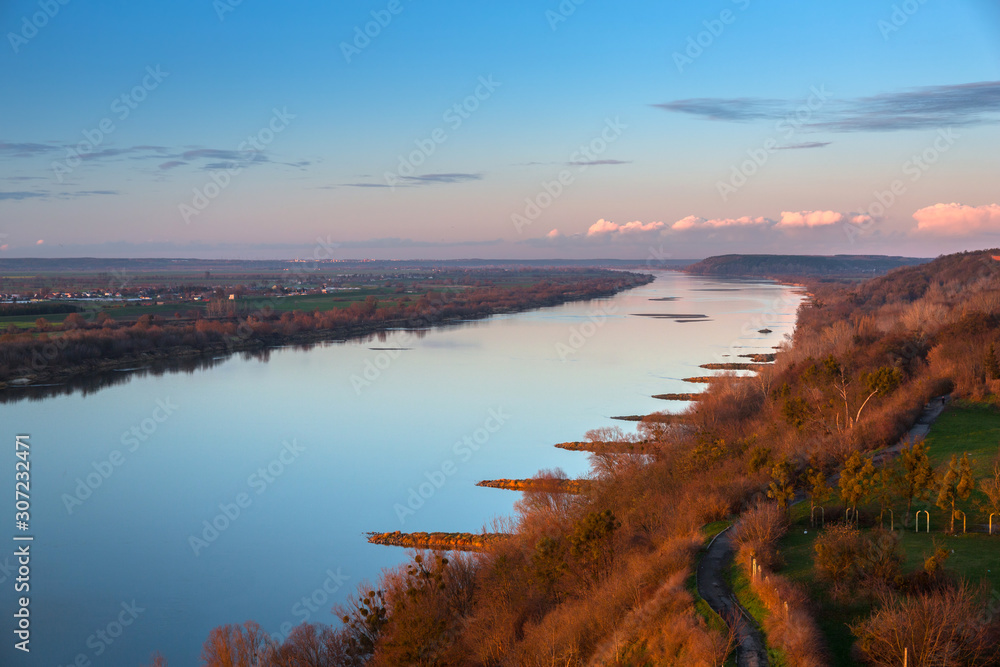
602 577
33 309
768 266
81 346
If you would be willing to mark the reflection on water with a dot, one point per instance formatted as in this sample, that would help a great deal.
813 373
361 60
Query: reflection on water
216 491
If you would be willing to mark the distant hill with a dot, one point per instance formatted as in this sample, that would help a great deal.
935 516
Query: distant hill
825 266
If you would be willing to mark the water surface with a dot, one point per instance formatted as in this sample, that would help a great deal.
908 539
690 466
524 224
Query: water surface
314 447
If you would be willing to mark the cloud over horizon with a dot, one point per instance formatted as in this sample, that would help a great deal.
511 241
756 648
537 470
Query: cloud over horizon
958 219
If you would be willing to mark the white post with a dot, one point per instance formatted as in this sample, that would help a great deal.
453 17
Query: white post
906 656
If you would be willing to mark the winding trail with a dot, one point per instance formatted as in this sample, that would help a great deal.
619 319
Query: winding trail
750 651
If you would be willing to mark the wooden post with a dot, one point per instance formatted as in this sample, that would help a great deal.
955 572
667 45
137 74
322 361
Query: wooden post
906 655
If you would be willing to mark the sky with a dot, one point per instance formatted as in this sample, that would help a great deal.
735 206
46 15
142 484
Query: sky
563 129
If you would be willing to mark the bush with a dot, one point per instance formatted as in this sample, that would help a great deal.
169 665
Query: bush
757 533
942 628
846 557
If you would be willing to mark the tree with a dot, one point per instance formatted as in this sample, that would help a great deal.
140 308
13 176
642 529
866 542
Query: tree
74 321
856 479
991 489
884 487
782 488
917 478
244 645
930 629
990 364
817 488
591 543
364 617
957 484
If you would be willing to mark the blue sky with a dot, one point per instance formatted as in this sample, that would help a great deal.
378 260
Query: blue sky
785 130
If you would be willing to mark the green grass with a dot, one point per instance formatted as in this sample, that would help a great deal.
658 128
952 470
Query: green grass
739 583
963 427
966 427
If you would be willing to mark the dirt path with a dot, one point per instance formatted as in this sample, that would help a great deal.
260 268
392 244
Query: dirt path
920 429
712 587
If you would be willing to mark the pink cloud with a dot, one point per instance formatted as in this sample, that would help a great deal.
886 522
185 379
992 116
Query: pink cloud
40 242
4 246
694 222
810 218
958 219
603 227
553 234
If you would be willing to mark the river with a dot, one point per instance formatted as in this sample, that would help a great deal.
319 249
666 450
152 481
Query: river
165 505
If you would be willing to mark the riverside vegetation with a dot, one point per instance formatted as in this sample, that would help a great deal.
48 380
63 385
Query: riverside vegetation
604 576
80 345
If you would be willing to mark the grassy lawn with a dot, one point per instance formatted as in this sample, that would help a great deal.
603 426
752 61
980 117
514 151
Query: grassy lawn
963 427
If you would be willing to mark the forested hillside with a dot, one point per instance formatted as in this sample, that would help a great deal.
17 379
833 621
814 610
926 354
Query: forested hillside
770 266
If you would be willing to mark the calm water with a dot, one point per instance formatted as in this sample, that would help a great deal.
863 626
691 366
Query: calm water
312 448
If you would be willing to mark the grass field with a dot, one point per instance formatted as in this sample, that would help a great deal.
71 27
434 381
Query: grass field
963 427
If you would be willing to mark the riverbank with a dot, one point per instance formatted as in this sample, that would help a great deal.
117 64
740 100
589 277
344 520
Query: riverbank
28 360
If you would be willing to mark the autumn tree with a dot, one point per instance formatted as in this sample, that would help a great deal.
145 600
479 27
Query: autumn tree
244 645
313 646
364 616
782 488
917 474
991 489
956 485
856 479
817 488
74 321
929 629
884 487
